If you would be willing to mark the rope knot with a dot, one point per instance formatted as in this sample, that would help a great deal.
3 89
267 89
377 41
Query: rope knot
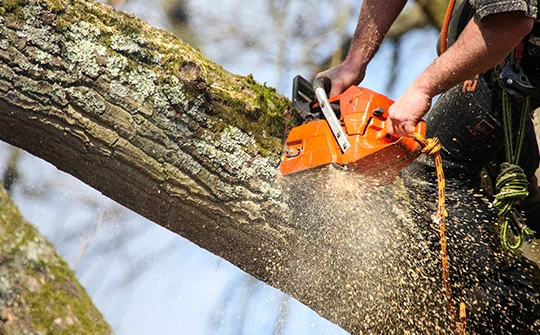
432 146
512 185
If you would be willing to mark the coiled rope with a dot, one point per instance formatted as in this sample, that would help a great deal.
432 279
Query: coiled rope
432 147
512 183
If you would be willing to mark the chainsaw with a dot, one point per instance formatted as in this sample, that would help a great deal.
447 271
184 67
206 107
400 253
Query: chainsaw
348 130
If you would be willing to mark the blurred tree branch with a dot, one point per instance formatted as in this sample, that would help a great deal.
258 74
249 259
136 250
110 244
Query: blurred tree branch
39 294
11 174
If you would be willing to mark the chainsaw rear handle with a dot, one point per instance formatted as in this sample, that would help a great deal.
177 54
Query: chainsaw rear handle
323 82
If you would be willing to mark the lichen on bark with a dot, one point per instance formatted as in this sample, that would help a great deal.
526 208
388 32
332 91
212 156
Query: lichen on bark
144 86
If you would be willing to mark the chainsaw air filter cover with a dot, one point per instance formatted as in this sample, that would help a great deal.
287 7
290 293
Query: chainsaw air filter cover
372 150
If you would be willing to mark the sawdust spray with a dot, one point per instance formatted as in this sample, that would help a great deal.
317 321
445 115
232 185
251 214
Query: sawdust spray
360 257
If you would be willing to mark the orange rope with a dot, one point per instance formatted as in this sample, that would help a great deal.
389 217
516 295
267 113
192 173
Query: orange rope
441 210
446 23
432 147
463 318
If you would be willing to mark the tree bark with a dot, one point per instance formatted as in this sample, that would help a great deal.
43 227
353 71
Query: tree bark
152 124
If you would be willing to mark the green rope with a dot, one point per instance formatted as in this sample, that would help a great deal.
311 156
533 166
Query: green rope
511 229
512 185
512 182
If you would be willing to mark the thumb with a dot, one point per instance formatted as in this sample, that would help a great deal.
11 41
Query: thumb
389 126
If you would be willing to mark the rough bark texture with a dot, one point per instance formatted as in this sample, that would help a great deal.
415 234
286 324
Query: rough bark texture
39 293
152 124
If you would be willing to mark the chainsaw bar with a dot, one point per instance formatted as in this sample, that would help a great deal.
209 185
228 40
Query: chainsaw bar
333 122
304 96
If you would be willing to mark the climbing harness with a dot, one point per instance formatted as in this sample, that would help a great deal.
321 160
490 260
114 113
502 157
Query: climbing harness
432 147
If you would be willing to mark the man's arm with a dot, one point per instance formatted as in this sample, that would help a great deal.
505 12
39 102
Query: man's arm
375 19
482 45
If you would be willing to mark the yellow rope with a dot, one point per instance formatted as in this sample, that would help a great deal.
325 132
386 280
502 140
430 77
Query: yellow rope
432 147
462 318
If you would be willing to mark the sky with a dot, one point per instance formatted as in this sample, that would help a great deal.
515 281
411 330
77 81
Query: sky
147 280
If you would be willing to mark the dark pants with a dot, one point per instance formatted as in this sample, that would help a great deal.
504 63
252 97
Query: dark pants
498 290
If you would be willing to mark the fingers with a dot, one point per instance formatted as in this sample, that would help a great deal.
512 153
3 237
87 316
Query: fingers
405 113
399 122
336 84
399 129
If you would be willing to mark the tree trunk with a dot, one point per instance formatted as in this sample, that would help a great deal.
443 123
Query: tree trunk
152 124
39 294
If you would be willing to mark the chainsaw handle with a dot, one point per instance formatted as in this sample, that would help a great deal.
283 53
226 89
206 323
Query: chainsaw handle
322 82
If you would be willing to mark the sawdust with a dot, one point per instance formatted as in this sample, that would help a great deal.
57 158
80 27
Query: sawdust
361 259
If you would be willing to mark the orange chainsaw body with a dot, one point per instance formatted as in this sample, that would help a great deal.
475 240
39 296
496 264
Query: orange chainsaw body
372 151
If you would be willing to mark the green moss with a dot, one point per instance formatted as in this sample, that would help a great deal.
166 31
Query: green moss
130 25
258 110
12 5
125 24
14 8
273 107
61 24
70 303
55 6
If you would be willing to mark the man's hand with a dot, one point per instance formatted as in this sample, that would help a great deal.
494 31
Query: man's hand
342 77
407 111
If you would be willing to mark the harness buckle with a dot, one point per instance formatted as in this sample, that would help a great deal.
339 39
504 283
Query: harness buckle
512 77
